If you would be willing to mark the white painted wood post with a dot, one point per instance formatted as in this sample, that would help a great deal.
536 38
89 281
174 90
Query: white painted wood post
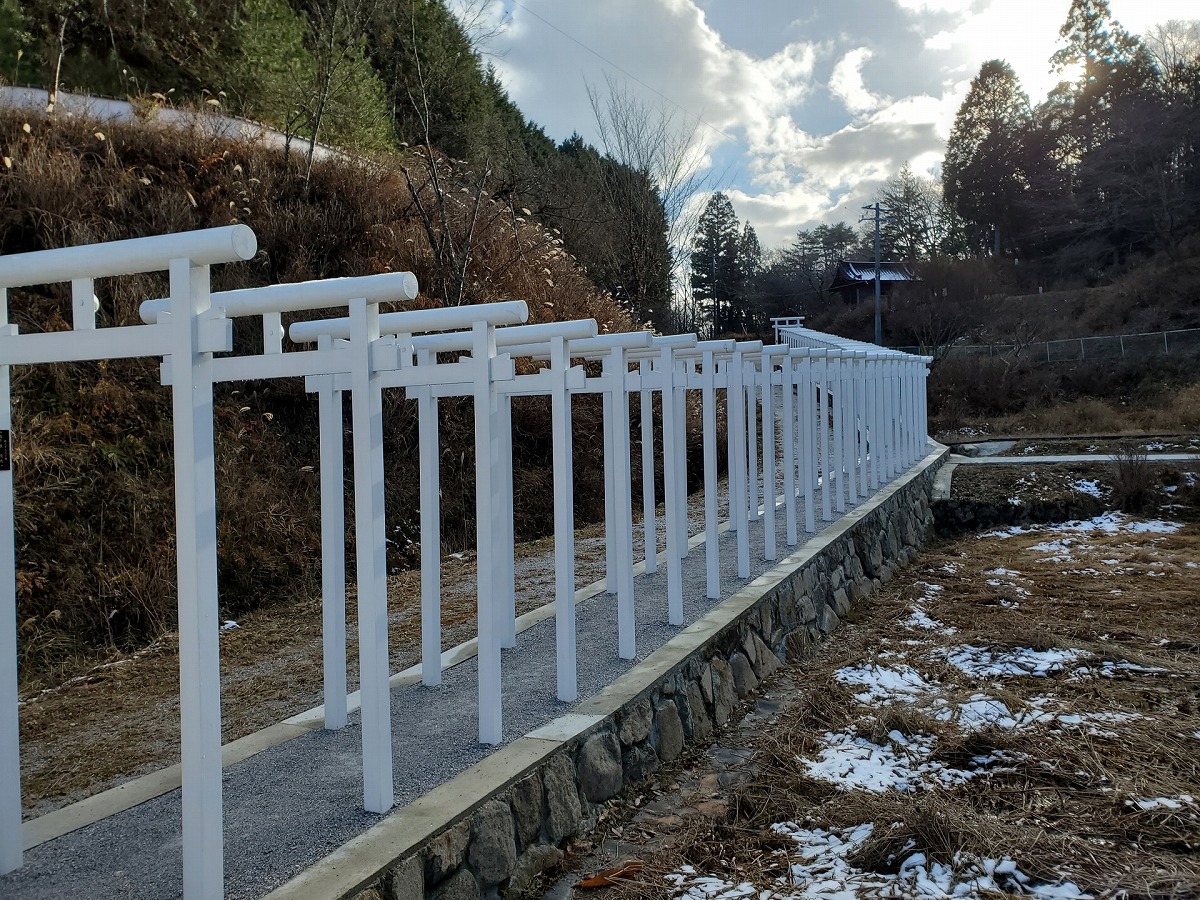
491 720
370 540
850 429
837 400
860 393
196 549
875 436
506 520
622 500
564 528
787 383
671 439
333 547
429 463
649 526
735 399
610 490
825 453
11 843
768 454
712 557
681 491
808 438
752 433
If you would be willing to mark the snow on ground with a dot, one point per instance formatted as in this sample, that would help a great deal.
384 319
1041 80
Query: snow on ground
825 871
984 662
884 685
903 764
1107 523
1091 487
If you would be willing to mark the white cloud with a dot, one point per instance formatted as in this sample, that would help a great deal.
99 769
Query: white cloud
846 82
811 109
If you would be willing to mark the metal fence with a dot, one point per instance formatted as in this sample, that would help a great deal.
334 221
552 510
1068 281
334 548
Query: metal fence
1183 342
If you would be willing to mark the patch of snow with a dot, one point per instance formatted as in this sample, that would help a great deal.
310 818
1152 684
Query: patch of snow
1156 447
981 711
229 625
981 662
1110 669
1107 523
1151 803
918 618
856 763
1091 487
824 872
884 686
1003 571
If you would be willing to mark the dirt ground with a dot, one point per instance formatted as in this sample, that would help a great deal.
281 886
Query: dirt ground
1018 713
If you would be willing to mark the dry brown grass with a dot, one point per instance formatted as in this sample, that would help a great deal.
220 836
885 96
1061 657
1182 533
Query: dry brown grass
1063 800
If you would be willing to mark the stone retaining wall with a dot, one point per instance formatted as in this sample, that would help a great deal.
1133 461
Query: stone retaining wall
958 515
514 834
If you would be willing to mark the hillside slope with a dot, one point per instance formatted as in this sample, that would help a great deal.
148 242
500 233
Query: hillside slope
92 454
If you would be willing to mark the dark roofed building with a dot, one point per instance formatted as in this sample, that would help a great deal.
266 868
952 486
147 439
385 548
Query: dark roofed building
855 279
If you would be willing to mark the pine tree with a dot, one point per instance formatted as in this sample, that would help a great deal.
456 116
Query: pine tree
982 177
715 264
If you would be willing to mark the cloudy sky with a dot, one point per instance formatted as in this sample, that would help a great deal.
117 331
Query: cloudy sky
801 107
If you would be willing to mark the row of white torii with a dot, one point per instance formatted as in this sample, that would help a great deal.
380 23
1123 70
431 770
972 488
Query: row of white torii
871 401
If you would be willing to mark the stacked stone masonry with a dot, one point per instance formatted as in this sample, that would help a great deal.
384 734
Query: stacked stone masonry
517 834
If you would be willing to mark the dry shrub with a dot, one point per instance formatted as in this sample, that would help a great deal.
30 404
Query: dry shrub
93 442
1133 478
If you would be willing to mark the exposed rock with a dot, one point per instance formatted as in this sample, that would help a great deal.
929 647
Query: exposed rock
493 853
526 800
706 683
445 853
408 880
669 733
701 723
768 662
600 767
533 862
462 886
563 812
808 610
841 602
744 679
725 697
829 621
635 723
640 761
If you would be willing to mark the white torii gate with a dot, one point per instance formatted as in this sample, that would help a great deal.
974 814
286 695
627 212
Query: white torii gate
188 340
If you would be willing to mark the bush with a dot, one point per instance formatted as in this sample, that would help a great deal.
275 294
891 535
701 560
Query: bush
1133 480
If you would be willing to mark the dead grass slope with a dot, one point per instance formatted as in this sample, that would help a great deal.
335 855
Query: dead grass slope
92 455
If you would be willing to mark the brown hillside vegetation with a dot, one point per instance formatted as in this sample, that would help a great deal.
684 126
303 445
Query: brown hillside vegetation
92 442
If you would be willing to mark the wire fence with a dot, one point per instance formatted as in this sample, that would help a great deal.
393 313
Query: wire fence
1183 342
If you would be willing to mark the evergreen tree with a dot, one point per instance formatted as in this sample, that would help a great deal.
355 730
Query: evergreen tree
715 265
982 177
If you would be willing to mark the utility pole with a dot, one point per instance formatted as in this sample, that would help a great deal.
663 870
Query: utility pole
878 319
